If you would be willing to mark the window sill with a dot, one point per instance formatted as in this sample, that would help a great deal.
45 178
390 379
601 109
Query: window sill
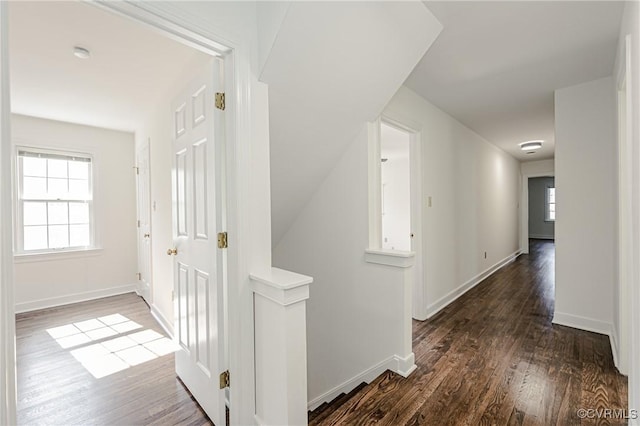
54 256
397 258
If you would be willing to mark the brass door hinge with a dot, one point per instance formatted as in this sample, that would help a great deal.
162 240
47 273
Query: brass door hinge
222 240
220 101
225 381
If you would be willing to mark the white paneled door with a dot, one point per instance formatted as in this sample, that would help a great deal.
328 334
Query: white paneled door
198 263
144 221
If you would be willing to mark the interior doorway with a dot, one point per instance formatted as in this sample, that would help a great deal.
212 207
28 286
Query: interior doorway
143 187
542 207
401 200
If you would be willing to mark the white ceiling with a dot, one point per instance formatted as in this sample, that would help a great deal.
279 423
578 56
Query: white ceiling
496 65
131 67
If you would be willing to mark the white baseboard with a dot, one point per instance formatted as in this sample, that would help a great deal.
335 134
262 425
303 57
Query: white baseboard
403 366
366 376
615 348
52 302
448 298
166 325
582 323
541 237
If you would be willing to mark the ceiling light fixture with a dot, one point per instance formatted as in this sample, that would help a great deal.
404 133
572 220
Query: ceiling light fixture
81 52
531 145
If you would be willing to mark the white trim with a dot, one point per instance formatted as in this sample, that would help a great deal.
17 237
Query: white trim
405 365
8 398
396 258
366 376
281 286
53 302
542 237
582 323
615 350
54 256
166 325
450 297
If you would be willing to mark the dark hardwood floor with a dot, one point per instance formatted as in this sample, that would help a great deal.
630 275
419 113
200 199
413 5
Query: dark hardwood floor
493 358
139 387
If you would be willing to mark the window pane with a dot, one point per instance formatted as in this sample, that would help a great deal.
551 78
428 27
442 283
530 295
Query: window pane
78 213
78 188
34 187
34 213
58 187
552 208
552 215
35 237
79 235
79 170
34 166
58 236
552 195
58 168
58 213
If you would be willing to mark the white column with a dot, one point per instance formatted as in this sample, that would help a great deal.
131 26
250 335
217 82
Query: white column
281 347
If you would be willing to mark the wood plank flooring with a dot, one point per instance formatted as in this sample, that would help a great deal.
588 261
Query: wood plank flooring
493 358
55 389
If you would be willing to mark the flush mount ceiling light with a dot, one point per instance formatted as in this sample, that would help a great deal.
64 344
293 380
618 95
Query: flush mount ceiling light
531 145
81 52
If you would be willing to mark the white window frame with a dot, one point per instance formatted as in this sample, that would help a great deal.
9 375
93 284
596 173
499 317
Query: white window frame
547 203
19 200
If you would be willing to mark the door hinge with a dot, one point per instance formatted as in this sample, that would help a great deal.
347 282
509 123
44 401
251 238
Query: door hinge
225 381
138 223
220 100
222 240
173 295
139 276
137 169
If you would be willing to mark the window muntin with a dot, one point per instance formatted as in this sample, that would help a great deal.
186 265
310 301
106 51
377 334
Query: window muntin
55 201
550 204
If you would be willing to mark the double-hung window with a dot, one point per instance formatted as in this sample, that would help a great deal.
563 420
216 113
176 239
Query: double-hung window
55 194
550 204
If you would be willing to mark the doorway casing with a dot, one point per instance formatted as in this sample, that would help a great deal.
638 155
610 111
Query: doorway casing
194 32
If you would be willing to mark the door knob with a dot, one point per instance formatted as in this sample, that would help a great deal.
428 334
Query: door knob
172 251
147 235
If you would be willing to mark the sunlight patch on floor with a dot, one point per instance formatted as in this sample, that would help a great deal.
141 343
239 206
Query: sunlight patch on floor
113 355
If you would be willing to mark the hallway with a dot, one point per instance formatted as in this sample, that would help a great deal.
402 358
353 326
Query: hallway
493 358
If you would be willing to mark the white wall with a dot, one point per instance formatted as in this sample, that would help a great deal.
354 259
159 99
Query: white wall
49 280
355 310
586 182
474 188
538 168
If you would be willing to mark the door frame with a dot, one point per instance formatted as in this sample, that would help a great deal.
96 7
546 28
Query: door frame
524 207
199 34
146 144
418 289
